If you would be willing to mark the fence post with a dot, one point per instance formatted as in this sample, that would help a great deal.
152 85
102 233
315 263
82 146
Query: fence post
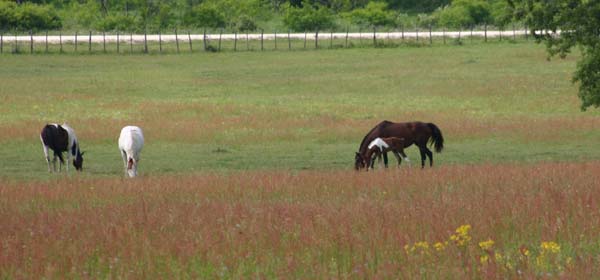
90 42
203 40
31 41
220 35
403 33
374 37
46 41
1 42
75 41
159 41
275 38
104 41
500 32
16 46
471 37
235 41
430 38
485 32
60 40
130 42
526 33
145 40
190 40
289 41
444 35
304 39
317 39
514 33
247 42
331 39
360 36
347 31
262 32
176 40
118 42
417 31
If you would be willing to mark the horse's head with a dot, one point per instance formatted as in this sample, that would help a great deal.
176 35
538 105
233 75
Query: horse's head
359 162
131 167
78 161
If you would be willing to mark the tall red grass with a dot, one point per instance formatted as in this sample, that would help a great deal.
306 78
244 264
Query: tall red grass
316 224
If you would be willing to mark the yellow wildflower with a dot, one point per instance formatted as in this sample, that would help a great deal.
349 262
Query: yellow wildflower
484 259
440 246
550 246
461 238
486 245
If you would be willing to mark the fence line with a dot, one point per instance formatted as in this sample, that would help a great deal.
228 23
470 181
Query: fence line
421 36
139 38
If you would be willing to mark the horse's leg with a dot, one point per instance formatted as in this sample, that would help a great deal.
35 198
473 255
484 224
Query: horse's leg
68 160
430 155
47 156
124 156
404 156
397 157
385 159
423 156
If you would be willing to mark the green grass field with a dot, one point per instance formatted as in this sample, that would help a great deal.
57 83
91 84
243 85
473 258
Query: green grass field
247 167
294 110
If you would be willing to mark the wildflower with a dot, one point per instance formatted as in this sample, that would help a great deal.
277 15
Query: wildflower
484 259
498 257
461 238
486 245
524 251
440 246
550 247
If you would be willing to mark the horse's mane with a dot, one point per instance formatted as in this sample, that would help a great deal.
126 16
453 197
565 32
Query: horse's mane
363 143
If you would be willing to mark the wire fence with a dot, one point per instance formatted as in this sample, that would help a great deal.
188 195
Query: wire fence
178 41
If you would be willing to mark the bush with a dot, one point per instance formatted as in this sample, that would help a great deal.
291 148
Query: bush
28 16
375 14
206 15
463 13
116 23
309 18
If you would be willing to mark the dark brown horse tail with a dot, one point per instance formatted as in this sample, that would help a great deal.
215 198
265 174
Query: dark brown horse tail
436 137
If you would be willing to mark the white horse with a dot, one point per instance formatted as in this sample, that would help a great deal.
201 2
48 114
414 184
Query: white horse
61 138
131 142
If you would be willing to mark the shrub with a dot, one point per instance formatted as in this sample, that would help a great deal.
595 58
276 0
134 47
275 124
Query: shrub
28 16
116 22
313 18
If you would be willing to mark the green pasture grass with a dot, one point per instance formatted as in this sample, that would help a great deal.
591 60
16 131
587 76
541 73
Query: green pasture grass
495 102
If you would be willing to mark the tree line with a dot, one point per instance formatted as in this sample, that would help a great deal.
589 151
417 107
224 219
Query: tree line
248 15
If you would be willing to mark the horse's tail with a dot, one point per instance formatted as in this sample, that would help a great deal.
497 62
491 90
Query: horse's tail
436 137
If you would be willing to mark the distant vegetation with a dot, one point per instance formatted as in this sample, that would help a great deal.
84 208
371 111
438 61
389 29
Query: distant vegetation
248 15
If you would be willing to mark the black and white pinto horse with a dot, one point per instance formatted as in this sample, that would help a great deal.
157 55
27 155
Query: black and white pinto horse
61 138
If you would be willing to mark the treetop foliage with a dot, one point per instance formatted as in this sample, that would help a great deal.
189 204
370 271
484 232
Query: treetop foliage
247 15
578 22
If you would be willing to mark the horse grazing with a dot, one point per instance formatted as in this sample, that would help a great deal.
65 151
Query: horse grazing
61 138
417 133
131 142
379 146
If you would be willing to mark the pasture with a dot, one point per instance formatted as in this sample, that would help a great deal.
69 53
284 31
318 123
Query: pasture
247 165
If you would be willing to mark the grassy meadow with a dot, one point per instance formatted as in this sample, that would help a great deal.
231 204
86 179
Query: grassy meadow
247 168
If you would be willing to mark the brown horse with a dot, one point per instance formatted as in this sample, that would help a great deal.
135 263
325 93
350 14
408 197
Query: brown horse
417 133
379 146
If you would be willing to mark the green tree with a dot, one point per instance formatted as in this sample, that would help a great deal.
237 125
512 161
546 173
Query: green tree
206 15
375 14
579 25
309 18
465 13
